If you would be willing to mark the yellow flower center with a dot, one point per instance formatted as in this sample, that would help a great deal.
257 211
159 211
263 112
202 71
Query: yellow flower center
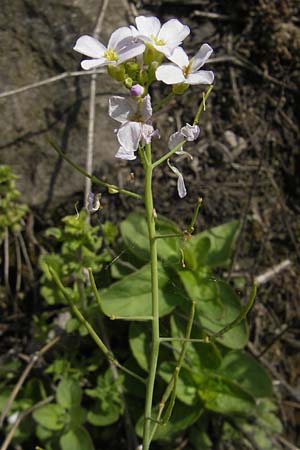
158 41
111 55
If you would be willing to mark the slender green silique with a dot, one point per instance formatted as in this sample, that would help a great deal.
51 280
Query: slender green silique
150 216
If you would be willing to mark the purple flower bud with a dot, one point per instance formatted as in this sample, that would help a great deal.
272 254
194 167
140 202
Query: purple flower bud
136 90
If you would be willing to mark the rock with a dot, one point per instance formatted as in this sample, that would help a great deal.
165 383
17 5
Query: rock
38 38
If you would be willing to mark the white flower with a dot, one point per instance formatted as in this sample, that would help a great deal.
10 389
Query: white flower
13 418
180 181
121 47
164 38
184 70
187 133
135 118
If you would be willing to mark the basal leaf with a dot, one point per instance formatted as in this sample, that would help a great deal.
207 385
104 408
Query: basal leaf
135 235
217 305
247 372
131 296
50 416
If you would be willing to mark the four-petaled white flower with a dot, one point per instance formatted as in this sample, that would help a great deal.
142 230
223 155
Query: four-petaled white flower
164 38
135 118
187 133
183 70
180 181
121 47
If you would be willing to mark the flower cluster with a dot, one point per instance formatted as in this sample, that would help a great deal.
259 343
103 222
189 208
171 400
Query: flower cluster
134 56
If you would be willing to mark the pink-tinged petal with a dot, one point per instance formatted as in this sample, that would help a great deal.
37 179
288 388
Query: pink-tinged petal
148 26
146 108
201 57
120 108
179 57
173 31
190 132
201 77
147 133
174 140
88 64
122 153
117 36
89 46
181 186
129 135
169 74
180 182
131 50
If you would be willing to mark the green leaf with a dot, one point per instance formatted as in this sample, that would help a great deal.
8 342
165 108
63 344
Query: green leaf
102 418
204 356
140 344
217 305
50 416
247 372
131 296
78 439
77 416
223 396
68 393
186 390
134 231
221 240
183 416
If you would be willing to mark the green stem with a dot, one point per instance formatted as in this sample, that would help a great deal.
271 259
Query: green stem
109 355
163 102
171 387
155 300
112 189
191 227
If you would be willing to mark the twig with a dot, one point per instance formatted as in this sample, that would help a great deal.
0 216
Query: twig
50 80
34 358
271 273
22 416
92 108
210 15
288 444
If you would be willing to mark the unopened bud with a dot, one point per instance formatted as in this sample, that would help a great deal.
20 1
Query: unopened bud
137 90
128 82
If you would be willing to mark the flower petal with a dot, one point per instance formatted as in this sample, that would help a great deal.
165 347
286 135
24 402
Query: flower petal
88 64
180 182
146 108
148 26
190 132
89 46
120 108
117 36
130 49
129 135
170 74
174 32
179 57
201 77
174 140
122 153
201 57
147 132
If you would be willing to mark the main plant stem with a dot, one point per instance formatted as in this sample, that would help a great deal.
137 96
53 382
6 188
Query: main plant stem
150 215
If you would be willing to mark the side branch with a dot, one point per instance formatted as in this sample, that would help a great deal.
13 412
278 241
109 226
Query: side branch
112 189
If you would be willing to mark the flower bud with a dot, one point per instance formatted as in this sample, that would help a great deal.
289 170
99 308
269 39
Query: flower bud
128 82
137 90
116 72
